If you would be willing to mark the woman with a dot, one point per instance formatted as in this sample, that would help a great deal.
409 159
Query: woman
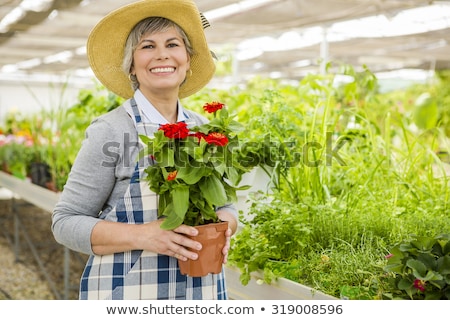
153 53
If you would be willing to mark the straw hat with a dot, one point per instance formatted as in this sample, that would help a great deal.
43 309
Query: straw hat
106 43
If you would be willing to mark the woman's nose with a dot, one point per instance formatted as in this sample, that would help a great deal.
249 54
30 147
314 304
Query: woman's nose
163 54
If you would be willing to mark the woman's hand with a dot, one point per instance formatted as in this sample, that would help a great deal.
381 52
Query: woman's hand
110 237
226 248
174 243
225 215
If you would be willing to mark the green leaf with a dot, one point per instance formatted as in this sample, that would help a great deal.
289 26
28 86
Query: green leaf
220 167
404 284
445 244
396 268
180 197
419 268
245 278
431 275
443 265
163 203
197 150
428 260
424 243
145 139
165 158
426 111
172 220
213 190
191 175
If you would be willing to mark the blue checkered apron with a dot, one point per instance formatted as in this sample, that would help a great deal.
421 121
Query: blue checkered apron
141 274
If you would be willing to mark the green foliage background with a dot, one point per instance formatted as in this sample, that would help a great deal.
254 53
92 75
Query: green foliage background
355 172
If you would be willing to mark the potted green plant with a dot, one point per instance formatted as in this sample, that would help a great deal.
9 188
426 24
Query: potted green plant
195 171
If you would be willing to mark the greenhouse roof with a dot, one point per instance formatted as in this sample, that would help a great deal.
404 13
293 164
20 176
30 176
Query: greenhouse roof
277 38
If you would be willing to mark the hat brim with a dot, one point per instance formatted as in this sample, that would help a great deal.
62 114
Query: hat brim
106 43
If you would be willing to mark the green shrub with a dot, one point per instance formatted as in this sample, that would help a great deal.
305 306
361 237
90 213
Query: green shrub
420 268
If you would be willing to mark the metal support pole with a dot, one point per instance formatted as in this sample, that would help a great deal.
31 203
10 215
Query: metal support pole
324 51
235 67
66 272
16 229
38 260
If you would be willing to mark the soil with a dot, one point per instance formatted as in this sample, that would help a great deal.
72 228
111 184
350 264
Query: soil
23 276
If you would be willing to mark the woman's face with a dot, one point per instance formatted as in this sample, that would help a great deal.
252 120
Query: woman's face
160 63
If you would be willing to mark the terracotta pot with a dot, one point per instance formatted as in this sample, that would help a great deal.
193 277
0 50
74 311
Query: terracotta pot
210 257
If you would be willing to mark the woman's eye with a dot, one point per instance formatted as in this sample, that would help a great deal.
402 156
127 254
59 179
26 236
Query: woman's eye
148 46
171 45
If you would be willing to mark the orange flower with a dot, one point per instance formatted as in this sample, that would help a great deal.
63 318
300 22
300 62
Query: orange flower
172 175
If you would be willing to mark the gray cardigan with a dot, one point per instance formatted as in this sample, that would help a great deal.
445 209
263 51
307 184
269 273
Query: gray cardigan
99 177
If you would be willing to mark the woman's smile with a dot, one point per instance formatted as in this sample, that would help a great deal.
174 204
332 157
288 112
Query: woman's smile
163 70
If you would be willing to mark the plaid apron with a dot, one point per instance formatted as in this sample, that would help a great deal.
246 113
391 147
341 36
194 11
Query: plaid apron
141 274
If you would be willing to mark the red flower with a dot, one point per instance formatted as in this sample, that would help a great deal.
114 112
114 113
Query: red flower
213 107
172 175
177 130
217 138
419 284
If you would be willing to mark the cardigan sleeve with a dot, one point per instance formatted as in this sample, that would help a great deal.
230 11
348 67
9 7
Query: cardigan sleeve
92 183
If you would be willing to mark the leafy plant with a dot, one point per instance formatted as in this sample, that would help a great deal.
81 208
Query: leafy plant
194 170
364 178
420 268
275 233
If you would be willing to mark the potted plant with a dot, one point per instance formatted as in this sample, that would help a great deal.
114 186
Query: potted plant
194 171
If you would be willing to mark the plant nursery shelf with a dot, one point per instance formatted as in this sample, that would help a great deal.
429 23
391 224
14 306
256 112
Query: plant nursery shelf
32 193
282 289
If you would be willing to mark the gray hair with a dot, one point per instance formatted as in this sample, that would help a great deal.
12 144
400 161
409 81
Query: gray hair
146 26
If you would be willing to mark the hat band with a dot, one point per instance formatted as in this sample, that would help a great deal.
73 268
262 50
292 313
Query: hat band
205 22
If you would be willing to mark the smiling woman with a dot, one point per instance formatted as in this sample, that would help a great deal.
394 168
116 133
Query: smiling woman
153 53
